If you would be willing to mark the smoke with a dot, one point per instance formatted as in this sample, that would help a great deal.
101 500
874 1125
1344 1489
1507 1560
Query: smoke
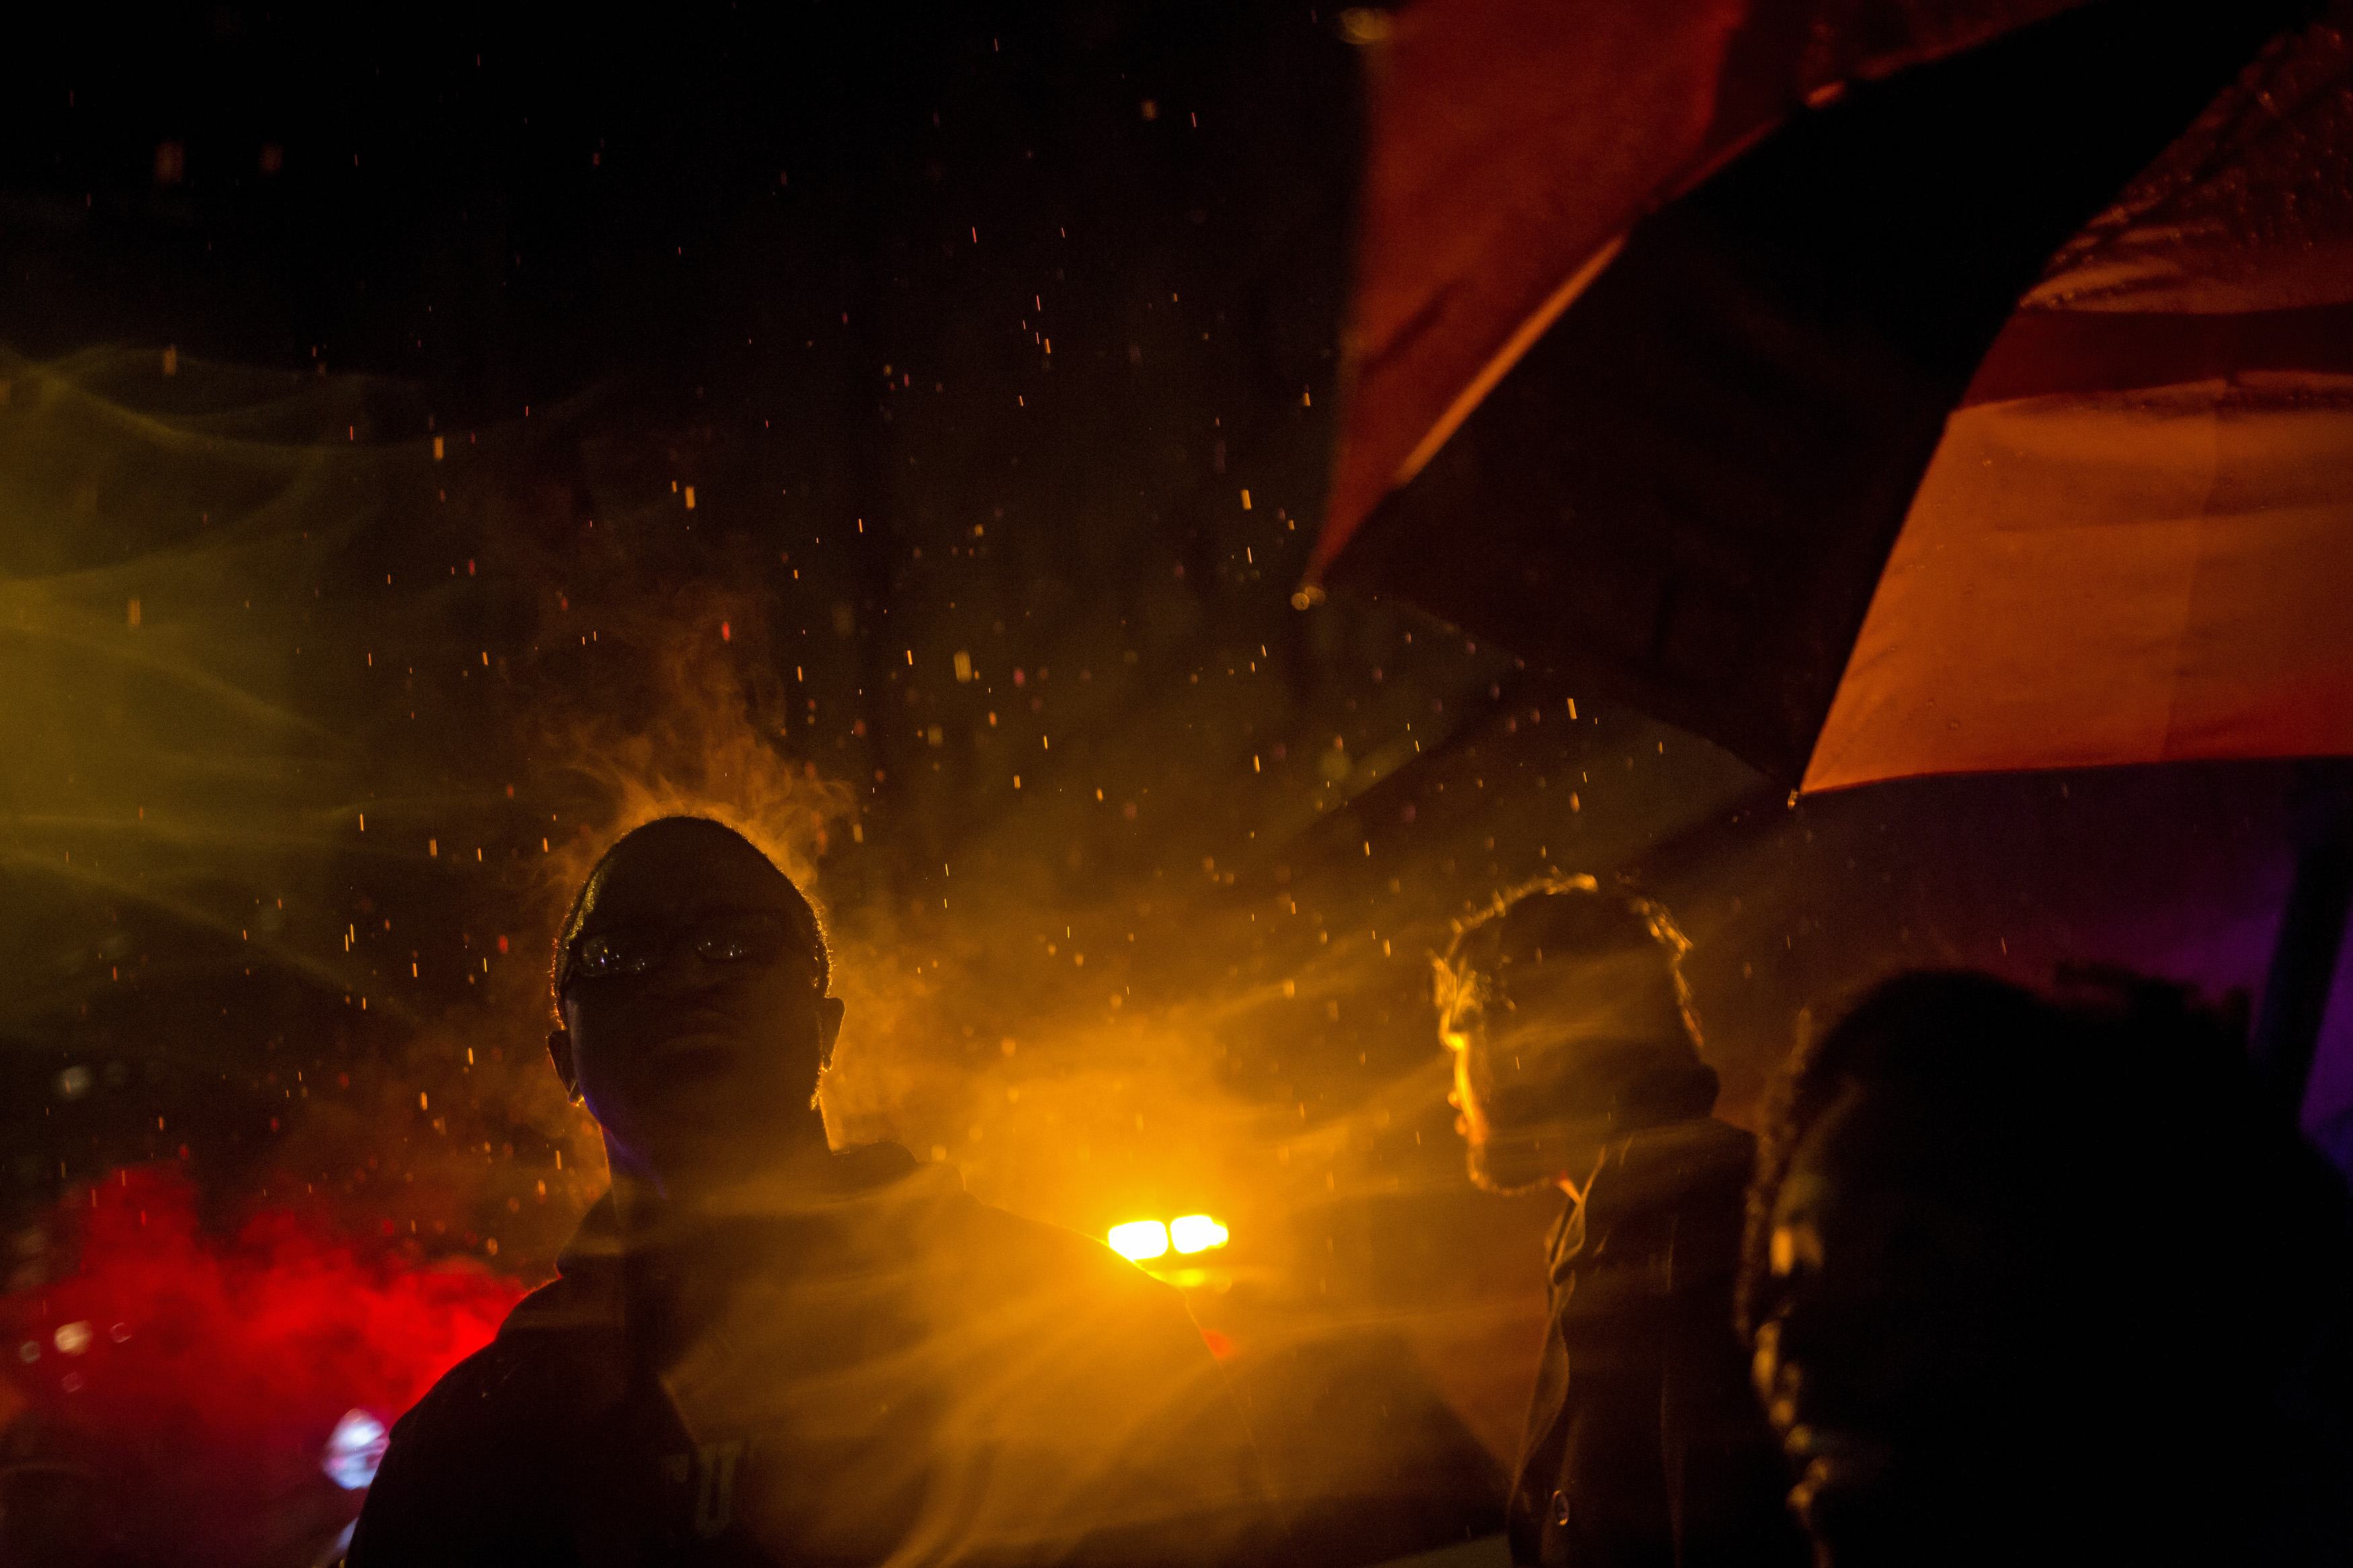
1133 875
194 1380
347 705
153 655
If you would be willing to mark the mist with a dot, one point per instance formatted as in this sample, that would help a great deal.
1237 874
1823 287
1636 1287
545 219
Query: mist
916 476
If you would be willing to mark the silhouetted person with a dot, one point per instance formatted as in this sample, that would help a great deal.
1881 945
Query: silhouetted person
1577 1064
2039 1281
764 1351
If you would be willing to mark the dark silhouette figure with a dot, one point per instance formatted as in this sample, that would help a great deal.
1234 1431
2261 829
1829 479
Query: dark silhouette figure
764 1351
1577 1064
2037 1281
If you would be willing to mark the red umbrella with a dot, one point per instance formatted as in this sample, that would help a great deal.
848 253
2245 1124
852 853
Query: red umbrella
1878 389
1587 350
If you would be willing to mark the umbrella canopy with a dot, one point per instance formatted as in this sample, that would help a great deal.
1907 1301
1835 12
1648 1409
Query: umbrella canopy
1672 326
1514 142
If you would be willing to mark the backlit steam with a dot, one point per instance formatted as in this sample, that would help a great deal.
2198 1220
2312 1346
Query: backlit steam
388 689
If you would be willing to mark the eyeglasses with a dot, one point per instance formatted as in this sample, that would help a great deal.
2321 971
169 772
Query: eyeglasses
733 939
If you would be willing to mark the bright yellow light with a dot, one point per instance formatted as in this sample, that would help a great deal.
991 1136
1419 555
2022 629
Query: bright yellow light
1196 1233
1139 1240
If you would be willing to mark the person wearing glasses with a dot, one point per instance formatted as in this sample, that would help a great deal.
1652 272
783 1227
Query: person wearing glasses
762 1350
1576 1066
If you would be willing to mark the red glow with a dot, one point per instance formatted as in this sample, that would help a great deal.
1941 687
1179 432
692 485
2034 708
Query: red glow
212 1371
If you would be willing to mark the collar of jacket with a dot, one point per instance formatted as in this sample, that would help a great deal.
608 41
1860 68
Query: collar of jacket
1650 1172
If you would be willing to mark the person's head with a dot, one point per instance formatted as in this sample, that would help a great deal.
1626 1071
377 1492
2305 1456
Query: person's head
692 1012
1967 1199
1564 1006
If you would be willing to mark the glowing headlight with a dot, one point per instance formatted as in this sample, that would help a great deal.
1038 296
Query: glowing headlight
1139 1240
1195 1233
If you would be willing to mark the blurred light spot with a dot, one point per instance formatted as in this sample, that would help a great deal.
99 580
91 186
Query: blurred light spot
73 1338
354 1449
1196 1233
1139 1240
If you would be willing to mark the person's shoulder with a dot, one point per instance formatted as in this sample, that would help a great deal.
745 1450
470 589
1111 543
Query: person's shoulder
471 1393
1027 1268
1723 1162
1718 1161
1053 1259
544 1355
1728 1151
1714 1139
473 1465
1052 1247
1700 1160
